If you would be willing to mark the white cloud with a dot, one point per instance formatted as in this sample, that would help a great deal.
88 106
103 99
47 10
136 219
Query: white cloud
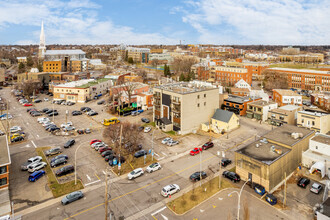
72 22
260 21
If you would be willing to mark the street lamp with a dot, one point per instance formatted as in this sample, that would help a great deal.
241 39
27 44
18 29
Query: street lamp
75 164
239 197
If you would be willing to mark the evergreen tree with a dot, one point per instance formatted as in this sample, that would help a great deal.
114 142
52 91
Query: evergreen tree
126 56
130 60
168 71
165 70
182 78
29 61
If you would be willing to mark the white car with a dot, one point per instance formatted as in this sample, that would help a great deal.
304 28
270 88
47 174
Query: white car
15 129
147 129
172 143
5 117
69 123
135 173
45 124
166 140
69 128
170 190
46 99
36 166
97 143
153 167
42 119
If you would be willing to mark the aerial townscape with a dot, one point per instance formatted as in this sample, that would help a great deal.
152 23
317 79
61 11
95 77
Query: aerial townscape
103 117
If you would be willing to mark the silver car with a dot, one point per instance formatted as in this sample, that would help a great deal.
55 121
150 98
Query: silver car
72 197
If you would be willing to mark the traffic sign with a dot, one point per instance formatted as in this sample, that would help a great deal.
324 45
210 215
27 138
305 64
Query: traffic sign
114 161
119 166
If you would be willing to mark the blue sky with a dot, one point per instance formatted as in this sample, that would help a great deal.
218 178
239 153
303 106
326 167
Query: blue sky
289 22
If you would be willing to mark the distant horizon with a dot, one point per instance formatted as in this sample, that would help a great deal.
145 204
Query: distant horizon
158 22
219 45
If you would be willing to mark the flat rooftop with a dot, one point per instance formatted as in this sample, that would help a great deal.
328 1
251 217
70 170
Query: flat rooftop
290 107
264 152
239 99
324 139
184 88
75 84
4 151
283 134
314 113
286 92
64 52
300 70
261 103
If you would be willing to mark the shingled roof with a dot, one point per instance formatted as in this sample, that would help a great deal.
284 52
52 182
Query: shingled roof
222 115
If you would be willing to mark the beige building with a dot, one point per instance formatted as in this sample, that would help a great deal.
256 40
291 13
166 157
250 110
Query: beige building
314 120
183 107
222 121
276 154
2 76
283 115
259 109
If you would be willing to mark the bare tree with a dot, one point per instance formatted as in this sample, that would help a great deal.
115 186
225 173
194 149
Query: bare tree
129 88
30 86
275 80
155 63
182 65
143 73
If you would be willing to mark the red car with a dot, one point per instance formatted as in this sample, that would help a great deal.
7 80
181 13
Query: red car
27 104
207 145
94 141
195 151
102 149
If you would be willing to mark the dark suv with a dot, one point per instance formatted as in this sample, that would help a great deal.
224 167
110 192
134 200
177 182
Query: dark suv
197 176
64 170
232 176
145 120
303 182
58 162
225 162
69 143
140 153
207 145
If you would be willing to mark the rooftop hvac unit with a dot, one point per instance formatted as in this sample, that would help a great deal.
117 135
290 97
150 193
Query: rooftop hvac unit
296 135
272 148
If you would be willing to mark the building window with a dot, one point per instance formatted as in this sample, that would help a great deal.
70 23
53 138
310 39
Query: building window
198 105
3 169
281 118
302 120
198 96
204 103
316 147
3 181
313 123
204 95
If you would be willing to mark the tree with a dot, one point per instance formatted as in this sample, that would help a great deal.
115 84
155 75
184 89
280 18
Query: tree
183 64
130 60
129 88
40 67
29 61
168 71
143 73
21 67
30 86
165 70
126 56
182 78
274 80
155 63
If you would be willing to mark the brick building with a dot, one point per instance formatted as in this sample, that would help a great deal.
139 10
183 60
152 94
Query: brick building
238 104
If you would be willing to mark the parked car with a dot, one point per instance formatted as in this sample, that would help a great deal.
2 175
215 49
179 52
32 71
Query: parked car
145 120
303 182
225 162
195 151
54 129
27 104
316 188
50 111
64 170
141 128
94 140
109 157
164 141
153 167
36 113
135 113
85 109
43 119
87 131
31 160
36 175
58 157
72 197
17 139
58 162
232 176
15 129
106 153
170 190
259 189
102 144
80 131
46 99
37 101
92 113
101 102
69 128
197 176
69 143
70 103
53 151
69 123
102 149
147 129
135 173
172 143
52 114
271 199
36 166
207 145
76 113
140 153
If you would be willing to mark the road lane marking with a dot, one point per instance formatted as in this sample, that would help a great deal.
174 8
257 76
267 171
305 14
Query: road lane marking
135 190
96 181
164 153
37 135
34 144
161 158
159 210
201 210
156 154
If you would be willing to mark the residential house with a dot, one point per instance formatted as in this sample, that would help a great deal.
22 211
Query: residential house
182 107
259 109
21 60
222 121
318 155
315 120
144 100
276 155
284 115
243 85
237 104
322 100
240 91
286 97
2 76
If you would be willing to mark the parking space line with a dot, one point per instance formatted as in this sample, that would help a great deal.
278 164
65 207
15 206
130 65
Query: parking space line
34 144
103 172
156 154
159 210
161 158
96 181
164 153
88 177
97 176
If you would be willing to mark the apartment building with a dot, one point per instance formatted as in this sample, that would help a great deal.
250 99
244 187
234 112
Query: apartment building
303 58
318 154
306 79
139 55
286 114
277 153
161 57
286 97
65 60
183 107
237 104
322 100
243 85
53 66
315 120
230 75
81 90
43 77
253 68
21 60
259 109
5 162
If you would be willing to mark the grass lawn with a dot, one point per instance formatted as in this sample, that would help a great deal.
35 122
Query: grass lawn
152 124
57 188
135 163
194 197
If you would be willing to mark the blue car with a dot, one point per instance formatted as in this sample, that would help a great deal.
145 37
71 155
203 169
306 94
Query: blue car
259 189
36 175
271 199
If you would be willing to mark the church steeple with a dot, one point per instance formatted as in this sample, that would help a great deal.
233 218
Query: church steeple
42 44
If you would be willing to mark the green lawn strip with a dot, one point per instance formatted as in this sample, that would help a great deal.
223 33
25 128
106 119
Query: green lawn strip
197 195
152 124
232 169
57 188
135 163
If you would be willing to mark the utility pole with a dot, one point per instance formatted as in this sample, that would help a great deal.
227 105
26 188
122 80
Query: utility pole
284 201
53 113
121 130
220 175
200 167
106 195
8 131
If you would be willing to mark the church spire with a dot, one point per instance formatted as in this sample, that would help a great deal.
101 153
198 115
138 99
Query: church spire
42 44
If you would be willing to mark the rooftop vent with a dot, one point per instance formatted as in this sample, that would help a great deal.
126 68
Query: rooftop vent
264 140
296 135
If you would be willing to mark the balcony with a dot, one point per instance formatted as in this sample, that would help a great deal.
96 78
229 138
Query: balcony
175 102
176 110
156 97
